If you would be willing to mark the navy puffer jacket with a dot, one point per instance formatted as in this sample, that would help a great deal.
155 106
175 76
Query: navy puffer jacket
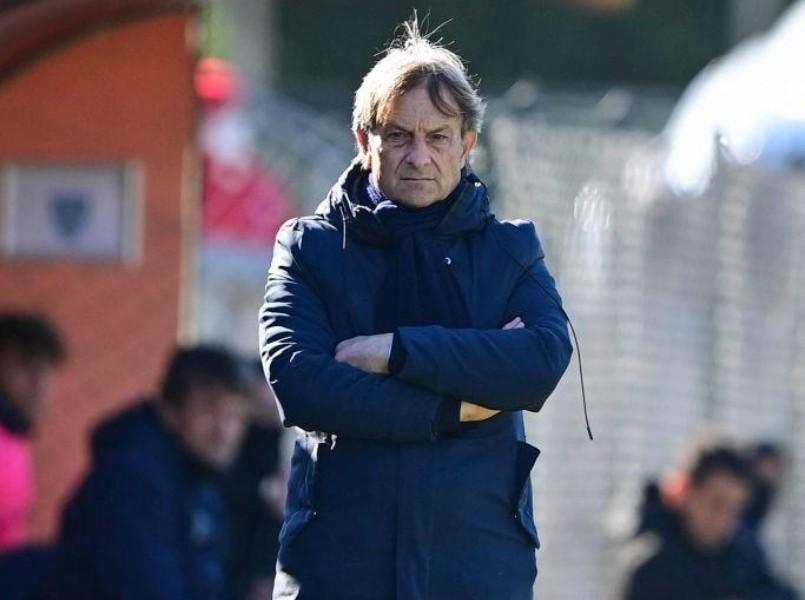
381 503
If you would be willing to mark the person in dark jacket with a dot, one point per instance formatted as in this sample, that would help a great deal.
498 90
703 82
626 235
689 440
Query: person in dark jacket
149 520
691 541
404 330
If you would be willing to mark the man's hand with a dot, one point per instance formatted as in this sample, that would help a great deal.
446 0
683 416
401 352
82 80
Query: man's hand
472 412
368 353
515 323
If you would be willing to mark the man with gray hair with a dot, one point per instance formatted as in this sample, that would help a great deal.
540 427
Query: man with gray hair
404 330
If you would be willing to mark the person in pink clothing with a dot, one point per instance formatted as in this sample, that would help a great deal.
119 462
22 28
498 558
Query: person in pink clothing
30 351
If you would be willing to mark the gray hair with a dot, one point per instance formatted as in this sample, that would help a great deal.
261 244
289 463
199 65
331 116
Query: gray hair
410 61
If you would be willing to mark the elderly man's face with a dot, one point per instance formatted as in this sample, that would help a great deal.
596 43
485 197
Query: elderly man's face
416 156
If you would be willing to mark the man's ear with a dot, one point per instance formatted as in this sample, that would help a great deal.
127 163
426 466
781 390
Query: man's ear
362 139
468 141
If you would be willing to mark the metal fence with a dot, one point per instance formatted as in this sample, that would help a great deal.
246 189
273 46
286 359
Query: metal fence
690 316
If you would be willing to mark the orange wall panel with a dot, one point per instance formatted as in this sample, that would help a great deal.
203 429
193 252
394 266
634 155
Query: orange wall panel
121 94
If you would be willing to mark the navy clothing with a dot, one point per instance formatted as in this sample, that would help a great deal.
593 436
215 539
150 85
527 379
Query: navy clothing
387 498
147 522
26 573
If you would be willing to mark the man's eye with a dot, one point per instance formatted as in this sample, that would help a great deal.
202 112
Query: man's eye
438 137
395 136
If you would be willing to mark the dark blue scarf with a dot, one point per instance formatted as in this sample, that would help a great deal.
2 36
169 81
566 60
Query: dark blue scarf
420 289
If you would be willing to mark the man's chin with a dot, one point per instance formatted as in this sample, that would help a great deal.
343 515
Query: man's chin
421 204
415 193
417 200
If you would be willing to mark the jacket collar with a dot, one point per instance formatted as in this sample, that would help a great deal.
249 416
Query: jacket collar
469 213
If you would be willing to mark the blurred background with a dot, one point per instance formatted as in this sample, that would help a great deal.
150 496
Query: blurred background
150 149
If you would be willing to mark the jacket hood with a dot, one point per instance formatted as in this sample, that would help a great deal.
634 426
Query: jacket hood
137 435
129 432
469 213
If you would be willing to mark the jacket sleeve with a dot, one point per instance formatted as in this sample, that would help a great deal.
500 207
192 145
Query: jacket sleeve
506 370
314 391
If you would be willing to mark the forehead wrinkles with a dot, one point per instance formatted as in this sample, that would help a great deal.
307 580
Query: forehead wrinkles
430 112
419 121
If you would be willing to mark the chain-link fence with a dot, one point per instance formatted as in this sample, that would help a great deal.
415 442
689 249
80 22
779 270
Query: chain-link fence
690 313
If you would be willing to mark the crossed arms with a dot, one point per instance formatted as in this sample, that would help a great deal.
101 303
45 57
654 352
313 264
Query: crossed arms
344 389
371 353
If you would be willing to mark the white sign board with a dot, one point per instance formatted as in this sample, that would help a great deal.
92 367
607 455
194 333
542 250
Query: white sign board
71 212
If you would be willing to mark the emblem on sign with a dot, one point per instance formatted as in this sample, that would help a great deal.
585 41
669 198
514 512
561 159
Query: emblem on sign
70 211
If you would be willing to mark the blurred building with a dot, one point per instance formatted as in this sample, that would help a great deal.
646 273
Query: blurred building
99 201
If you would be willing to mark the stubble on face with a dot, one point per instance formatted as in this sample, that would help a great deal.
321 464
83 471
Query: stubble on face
416 156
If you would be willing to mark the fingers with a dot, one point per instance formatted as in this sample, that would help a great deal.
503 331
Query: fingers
515 323
474 412
343 349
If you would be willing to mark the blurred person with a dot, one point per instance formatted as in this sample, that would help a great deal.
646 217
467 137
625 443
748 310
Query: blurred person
31 349
256 495
767 467
149 520
690 541
404 331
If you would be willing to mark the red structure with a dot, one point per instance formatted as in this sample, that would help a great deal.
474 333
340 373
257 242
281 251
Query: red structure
244 203
87 83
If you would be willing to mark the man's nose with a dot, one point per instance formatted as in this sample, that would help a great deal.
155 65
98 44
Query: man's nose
418 154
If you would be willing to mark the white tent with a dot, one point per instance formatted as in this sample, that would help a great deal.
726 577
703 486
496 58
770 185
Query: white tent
750 104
